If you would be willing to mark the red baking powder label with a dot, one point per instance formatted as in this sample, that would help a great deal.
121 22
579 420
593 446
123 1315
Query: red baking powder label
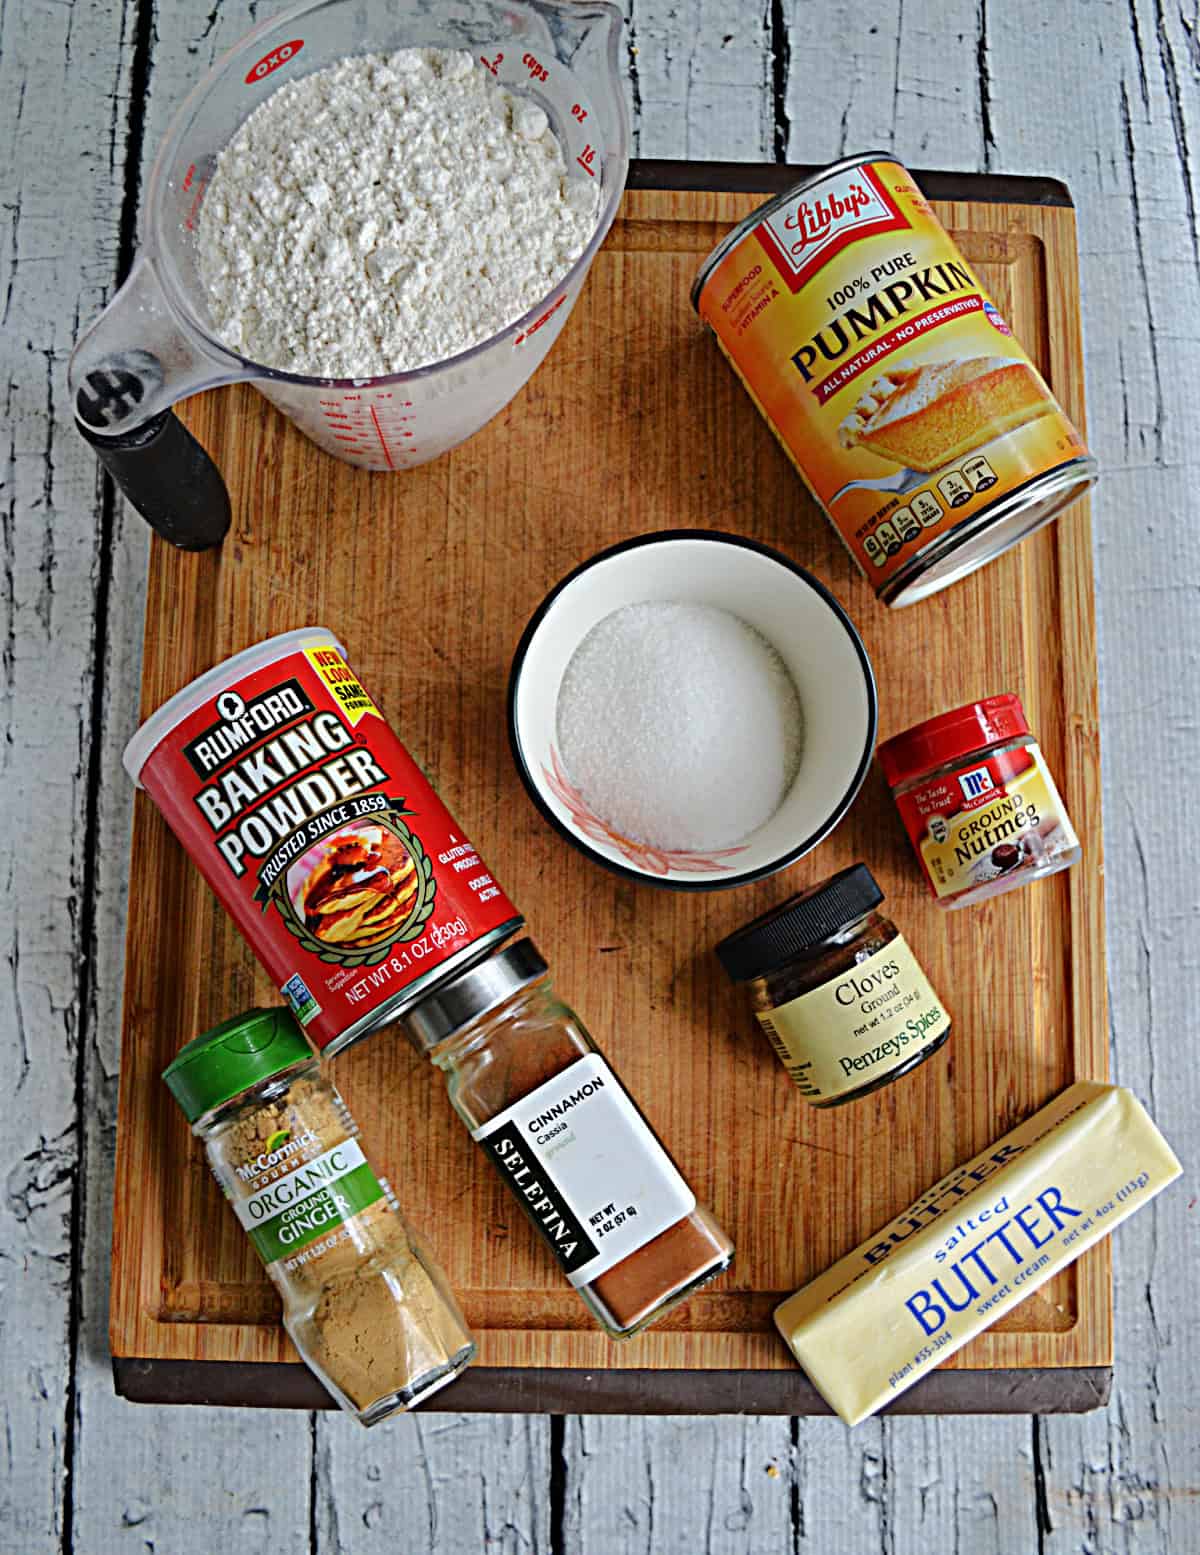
342 868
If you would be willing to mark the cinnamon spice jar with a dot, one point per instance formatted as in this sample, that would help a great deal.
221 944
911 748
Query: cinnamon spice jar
585 1166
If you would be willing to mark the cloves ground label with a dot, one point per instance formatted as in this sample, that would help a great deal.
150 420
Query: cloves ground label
322 838
857 1027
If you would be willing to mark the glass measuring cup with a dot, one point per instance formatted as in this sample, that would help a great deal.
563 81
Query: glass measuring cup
154 344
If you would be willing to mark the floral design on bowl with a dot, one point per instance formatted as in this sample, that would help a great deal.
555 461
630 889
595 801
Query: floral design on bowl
654 861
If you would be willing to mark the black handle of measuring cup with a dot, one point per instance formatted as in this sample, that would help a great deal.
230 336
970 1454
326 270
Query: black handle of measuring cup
169 479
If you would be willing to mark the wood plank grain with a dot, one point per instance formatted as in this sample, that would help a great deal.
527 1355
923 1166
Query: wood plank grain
184 1481
624 1494
448 1482
53 530
1099 93
1128 1478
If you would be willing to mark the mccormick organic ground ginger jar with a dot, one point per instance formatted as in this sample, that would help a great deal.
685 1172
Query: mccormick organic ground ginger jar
890 377
363 1303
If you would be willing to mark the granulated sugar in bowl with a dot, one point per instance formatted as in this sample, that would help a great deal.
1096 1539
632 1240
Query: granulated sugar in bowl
659 705
692 709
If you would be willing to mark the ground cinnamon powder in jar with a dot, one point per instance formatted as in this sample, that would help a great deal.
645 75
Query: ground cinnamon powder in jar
363 1303
526 1078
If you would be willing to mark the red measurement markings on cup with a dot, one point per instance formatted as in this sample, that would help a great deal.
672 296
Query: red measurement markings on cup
372 428
492 64
382 440
537 323
189 178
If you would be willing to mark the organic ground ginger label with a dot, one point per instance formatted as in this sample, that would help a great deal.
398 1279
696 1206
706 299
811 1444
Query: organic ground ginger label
363 1303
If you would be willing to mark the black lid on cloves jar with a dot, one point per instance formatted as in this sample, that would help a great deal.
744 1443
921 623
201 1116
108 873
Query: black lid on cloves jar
796 926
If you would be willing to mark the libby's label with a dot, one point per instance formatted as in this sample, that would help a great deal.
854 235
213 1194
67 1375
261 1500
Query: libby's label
587 1169
975 826
322 838
309 1199
882 365
859 1026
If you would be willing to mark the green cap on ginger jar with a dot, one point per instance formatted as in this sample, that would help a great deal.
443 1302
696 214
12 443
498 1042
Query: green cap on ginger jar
240 1052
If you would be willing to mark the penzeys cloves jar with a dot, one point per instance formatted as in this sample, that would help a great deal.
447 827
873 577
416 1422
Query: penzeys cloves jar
833 983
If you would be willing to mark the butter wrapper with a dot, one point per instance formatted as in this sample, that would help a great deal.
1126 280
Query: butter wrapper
975 1245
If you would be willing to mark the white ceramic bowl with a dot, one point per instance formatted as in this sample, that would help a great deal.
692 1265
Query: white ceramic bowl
809 629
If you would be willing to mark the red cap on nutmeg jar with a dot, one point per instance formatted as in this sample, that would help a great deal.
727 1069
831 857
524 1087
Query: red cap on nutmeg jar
942 739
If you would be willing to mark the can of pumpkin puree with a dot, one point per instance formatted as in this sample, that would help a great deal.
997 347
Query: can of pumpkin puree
350 880
890 377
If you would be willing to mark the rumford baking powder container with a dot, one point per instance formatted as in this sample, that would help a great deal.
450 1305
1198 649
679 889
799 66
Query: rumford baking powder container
890 377
350 880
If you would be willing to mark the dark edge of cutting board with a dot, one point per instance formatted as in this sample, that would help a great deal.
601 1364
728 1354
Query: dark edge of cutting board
768 178
549 1390
539 1390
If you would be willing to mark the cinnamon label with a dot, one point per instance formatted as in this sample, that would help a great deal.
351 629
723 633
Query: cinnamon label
587 1169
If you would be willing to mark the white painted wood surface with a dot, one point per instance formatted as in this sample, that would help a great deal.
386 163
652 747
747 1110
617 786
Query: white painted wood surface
1105 95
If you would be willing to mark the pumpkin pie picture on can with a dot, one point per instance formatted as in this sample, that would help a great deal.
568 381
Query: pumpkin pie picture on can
926 415
358 888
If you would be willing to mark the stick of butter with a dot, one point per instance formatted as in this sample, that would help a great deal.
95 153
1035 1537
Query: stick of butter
975 1245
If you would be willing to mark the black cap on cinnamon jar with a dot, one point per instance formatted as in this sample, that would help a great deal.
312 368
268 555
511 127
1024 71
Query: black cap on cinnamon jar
795 926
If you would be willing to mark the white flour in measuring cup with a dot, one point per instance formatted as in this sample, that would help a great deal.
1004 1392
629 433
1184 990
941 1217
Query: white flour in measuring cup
386 212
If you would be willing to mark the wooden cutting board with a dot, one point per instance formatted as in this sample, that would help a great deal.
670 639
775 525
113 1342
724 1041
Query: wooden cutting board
634 423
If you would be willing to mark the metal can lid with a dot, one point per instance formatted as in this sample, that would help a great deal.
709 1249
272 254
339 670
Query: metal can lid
950 735
797 925
811 176
454 1005
146 740
228 1059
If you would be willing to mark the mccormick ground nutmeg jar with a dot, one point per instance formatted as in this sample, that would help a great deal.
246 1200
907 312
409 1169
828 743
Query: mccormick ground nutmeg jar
841 997
349 879
363 1303
890 377
978 802
528 1081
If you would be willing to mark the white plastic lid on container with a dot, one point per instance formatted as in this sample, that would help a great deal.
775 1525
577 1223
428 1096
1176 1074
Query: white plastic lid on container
184 703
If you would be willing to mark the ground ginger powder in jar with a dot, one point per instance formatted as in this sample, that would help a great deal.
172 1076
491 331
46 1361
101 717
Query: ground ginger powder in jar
363 1303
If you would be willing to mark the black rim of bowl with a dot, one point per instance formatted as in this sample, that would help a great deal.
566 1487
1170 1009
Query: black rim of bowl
627 871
